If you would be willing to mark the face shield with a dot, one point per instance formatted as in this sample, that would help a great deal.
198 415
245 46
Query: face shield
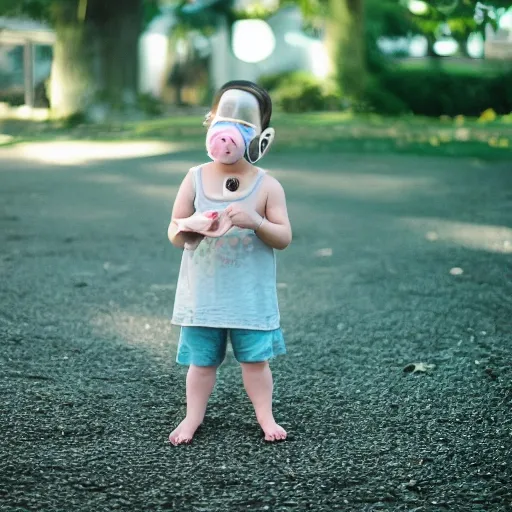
235 129
239 106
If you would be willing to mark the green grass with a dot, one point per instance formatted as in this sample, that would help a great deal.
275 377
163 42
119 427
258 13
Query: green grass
326 132
455 65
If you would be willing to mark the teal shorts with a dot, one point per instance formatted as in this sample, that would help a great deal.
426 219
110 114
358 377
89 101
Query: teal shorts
206 346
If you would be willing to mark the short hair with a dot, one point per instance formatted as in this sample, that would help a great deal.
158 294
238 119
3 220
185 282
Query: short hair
258 92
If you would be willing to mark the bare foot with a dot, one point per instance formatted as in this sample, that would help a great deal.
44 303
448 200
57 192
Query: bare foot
273 432
183 433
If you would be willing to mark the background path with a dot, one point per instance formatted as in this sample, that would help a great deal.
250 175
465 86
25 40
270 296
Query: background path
89 388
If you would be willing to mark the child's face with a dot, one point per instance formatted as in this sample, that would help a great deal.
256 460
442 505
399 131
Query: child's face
235 126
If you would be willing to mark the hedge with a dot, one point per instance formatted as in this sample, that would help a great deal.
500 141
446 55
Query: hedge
435 93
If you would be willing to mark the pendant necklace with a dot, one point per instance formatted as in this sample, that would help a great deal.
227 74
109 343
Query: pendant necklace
232 184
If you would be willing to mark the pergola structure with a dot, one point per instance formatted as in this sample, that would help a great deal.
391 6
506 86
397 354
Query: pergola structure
26 33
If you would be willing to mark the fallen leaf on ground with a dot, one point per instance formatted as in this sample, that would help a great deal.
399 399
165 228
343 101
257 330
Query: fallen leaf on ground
487 115
324 252
419 367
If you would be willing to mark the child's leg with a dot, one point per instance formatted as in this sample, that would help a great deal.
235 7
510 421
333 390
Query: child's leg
200 384
203 350
259 386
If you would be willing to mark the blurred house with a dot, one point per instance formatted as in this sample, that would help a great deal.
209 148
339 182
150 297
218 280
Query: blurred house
177 66
498 45
25 61
252 48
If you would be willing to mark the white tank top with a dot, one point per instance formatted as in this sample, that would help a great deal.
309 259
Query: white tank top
229 281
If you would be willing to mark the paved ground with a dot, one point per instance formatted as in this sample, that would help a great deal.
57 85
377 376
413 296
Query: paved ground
89 387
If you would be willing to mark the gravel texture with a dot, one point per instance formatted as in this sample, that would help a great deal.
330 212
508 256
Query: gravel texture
396 301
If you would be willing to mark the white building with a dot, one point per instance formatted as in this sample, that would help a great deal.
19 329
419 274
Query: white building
25 59
254 48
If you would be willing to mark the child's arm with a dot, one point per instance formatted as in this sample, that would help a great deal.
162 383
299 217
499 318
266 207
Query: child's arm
274 229
183 207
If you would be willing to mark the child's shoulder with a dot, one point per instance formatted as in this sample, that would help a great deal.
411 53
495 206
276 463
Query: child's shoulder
270 180
195 168
272 187
192 173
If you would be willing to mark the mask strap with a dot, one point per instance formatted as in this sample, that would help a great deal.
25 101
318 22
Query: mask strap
260 145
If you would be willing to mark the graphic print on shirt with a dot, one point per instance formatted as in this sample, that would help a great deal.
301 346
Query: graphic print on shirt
226 251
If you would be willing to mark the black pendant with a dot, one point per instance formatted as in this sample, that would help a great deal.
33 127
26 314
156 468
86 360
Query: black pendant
232 184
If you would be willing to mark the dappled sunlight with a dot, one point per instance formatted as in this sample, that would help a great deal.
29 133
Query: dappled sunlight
497 239
90 215
145 331
83 152
106 179
156 191
377 186
134 186
5 139
180 167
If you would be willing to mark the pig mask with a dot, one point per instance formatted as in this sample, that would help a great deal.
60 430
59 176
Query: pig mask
238 123
227 142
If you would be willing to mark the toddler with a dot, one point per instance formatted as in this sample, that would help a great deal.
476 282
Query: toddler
229 217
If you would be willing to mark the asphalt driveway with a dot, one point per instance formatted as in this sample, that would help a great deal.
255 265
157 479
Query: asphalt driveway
395 260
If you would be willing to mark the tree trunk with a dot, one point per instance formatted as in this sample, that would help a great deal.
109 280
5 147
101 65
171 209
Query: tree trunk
72 83
345 41
95 57
462 40
118 59
431 41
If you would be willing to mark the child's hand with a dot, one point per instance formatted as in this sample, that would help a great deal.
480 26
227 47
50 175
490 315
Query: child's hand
219 227
243 218
210 224
197 223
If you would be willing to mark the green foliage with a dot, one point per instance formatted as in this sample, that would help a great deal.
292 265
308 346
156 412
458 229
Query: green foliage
150 105
436 92
379 99
459 15
53 10
73 120
387 18
298 91
253 11
150 10
433 92
309 8
202 15
271 82
35 9
384 18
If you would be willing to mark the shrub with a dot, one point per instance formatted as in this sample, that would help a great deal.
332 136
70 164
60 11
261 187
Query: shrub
301 92
433 92
378 99
271 82
149 104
